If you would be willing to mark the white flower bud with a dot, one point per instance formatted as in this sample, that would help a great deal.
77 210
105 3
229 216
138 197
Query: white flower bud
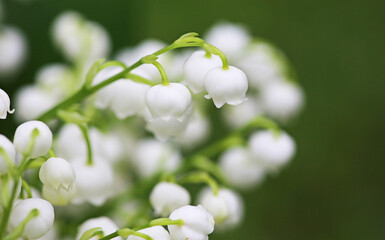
168 102
230 38
151 156
271 151
94 183
9 150
239 169
236 116
105 223
57 173
156 233
196 67
166 197
32 101
60 197
43 141
226 86
12 49
197 223
37 226
226 207
282 100
5 104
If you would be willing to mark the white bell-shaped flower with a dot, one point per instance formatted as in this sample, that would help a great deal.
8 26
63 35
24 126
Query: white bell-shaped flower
10 152
239 169
5 104
226 207
236 116
282 100
226 86
37 226
32 101
168 102
43 141
57 173
156 233
196 67
198 223
55 78
151 156
13 50
231 38
271 150
166 197
105 223
50 235
59 197
94 183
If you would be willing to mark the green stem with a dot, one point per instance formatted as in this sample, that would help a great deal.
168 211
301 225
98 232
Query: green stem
201 177
7 211
84 130
214 50
51 153
165 222
162 73
139 79
110 236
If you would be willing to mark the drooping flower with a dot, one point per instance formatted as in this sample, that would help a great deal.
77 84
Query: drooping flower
5 104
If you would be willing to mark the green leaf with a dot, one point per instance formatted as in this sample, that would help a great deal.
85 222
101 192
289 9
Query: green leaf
92 233
92 72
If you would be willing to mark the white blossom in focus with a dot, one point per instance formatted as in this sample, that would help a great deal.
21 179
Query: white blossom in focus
168 102
166 197
156 233
57 173
196 67
105 223
271 150
43 141
37 226
10 152
59 197
198 223
5 104
12 50
239 169
151 156
226 86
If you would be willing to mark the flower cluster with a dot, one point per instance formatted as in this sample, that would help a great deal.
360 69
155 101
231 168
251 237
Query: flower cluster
117 144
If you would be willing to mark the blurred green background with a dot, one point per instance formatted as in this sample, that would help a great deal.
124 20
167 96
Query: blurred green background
335 187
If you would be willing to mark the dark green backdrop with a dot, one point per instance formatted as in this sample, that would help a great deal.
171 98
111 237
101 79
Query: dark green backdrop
335 188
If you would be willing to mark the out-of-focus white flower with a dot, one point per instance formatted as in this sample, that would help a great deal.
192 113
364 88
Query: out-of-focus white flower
156 233
50 235
9 150
43 141
80 39
236 116
164 129
55 78
32 101
168 102
239 169
131 55
226 207
151 156
174 67
230 38
282 100
197 130
37 226
57 173
94 183
70 144
226 86
271 151
197 223
166 197
59 197
12 50
105 223
5 104
261 64
125 97
196 67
